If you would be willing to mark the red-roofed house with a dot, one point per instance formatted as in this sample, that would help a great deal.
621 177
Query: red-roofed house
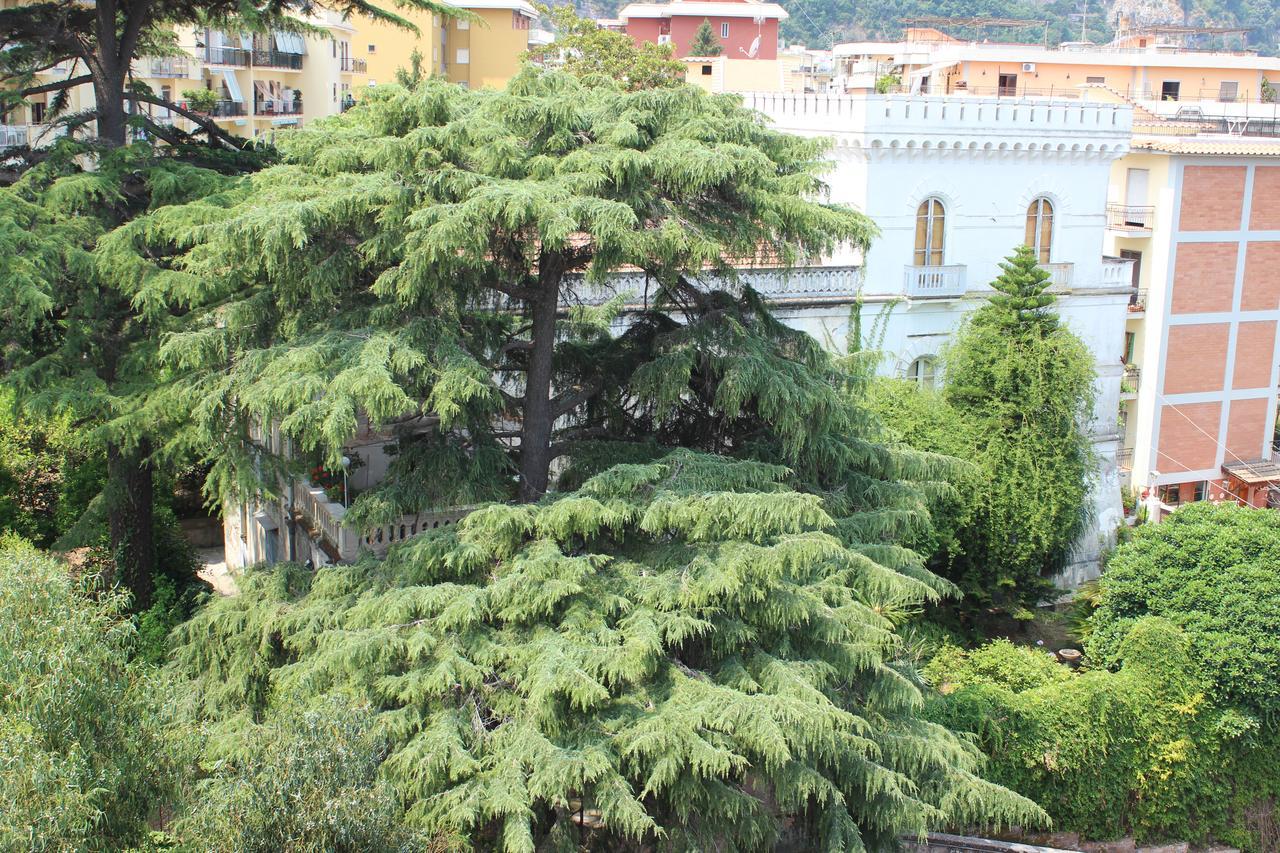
747 29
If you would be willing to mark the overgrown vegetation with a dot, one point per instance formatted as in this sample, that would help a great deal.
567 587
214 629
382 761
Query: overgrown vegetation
1016 402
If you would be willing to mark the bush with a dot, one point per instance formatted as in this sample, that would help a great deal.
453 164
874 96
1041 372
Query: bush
1143 751
86 747
305 780
200 100
1214 571
1000 663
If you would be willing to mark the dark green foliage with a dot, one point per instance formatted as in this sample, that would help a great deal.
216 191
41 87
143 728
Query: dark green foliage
84 331
46 478
87 744
705 42
682 653
1214 571
305 780
362 278
1143 752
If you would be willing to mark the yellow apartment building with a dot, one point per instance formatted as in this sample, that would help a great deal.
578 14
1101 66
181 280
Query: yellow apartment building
480 51
262 82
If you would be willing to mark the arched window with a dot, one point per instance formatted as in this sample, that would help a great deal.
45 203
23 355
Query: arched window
930 221
921 371
1040 228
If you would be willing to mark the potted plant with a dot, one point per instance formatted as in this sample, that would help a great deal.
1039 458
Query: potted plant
200 100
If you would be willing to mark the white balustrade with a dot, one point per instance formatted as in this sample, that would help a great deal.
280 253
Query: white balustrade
1117 272
925 282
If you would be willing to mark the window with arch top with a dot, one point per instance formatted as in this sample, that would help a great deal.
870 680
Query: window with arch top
930 227
923 371
1040 228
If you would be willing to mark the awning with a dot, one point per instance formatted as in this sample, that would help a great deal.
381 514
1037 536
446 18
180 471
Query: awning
1254 473
233 87
290 43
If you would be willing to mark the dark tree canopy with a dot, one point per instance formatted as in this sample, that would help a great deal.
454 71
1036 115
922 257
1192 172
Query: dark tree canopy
439 258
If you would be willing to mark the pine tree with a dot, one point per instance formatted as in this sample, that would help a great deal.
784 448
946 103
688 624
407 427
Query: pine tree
682 654
1023 385
705 42
432 258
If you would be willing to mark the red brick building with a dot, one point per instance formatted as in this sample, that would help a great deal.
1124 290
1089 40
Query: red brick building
747 29
1202 218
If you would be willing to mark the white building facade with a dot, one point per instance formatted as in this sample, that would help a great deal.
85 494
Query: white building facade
955 184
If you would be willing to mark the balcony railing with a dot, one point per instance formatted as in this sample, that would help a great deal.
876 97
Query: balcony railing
381 538
924 282
326 520
277 59
1060 275
229 109
1130 217
803 284
1131 380
1117 272
170 66
226 56
351 65
1124 459
1138 301
14 134
277 107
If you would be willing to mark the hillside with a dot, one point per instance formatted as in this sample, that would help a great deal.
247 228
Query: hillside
820 23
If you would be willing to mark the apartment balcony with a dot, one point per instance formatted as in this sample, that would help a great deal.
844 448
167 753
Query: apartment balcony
227 56
229 109
1132 220
277 107
1060 275
1137 302
178 67
1124 459
12 135
351 65
263 58
326 522
934 282
1130 381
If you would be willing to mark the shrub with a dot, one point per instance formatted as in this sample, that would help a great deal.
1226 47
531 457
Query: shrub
305 780
1143 751
1214 571
1000 663
86 748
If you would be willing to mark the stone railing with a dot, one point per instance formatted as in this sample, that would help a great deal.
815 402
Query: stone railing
834 284
1060 275
932 282
379 539
14 134
1117 272
326 520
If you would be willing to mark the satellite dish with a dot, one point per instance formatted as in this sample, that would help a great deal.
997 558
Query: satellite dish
755 48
